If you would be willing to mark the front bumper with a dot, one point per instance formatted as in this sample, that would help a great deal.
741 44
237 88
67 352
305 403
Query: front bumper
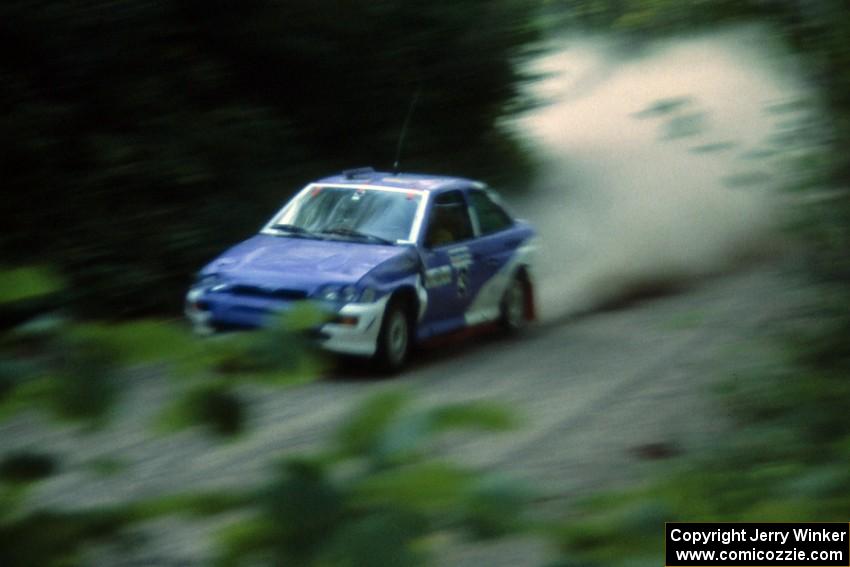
353 328
360 339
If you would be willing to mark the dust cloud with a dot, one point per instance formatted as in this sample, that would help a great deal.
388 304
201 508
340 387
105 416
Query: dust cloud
659 166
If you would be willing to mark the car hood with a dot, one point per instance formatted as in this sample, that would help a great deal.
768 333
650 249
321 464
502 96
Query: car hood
300 262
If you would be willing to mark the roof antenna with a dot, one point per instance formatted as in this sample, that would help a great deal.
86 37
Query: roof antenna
404 126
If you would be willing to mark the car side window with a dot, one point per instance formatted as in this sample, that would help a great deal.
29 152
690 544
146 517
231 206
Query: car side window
449 221
491 216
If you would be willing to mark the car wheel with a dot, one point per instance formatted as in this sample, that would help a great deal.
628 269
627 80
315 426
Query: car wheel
515 305
394 340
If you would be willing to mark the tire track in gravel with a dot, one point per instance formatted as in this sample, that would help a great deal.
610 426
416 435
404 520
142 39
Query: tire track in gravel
702 337
735 311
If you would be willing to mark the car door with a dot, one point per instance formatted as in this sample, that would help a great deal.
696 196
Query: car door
494 254
447 260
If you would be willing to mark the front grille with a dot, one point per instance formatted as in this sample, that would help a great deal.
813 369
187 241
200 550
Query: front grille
269 293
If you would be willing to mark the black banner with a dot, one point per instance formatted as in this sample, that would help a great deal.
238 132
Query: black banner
763 545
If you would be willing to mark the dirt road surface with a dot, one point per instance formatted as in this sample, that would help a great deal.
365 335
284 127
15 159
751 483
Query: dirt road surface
598 396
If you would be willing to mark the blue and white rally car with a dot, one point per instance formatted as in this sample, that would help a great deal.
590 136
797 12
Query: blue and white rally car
396 258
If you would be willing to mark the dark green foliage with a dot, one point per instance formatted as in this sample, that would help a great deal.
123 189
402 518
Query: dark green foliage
26 466
219 409
637 17
45 362
304 509
282 345
826 226
76 370
72 374
195 504
84 374
376 540
373 499
26 292
385 433
362 434
491 507
142 138
377 498
48 539
7 379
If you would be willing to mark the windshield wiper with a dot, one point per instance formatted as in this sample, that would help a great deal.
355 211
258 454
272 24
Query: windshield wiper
293 230
356 234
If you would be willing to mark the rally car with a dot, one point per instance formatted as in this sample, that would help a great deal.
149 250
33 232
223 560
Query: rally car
396 259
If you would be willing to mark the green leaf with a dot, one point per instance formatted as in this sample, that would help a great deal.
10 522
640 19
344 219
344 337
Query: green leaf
142 341
482 416
20 284
303 316
377 540
494 506
427 487
244 540
304 509
363 433
84 386
211 404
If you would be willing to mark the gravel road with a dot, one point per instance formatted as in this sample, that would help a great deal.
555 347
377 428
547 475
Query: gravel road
601 396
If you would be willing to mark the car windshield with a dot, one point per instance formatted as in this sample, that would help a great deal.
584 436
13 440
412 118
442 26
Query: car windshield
383 216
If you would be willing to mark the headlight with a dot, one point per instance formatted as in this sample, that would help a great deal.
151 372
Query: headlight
329 293
346 294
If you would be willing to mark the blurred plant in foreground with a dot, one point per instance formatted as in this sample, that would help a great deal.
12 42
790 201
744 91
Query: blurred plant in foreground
77 371
376 498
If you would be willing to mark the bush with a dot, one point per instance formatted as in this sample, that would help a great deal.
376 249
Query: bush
376 497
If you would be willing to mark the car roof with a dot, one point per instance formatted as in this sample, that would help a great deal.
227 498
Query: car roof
418 181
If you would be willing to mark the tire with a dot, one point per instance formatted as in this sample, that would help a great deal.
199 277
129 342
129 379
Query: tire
514 305
395 338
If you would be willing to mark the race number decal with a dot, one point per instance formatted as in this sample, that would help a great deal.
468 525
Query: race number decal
460 258
463 281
